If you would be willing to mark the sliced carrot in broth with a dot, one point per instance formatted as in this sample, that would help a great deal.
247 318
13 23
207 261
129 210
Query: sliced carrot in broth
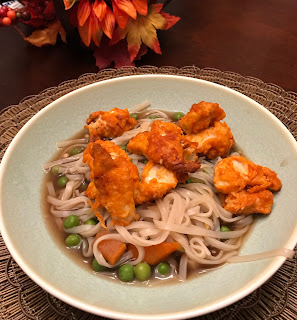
158 253
112 249
133 250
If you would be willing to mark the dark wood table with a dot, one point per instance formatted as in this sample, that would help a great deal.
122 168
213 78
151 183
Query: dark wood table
253 38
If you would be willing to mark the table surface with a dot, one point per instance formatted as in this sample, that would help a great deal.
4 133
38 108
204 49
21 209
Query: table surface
253 38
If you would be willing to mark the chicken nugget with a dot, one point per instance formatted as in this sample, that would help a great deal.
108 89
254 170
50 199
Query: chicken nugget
201 116
109 124
167 147
235 173
113 180
139 143
155 183
215 141
244 202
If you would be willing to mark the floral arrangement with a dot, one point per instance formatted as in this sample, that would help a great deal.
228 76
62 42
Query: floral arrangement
119 31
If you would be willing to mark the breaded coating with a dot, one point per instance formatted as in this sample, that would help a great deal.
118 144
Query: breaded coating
167 147
120 158
155 183
244 202
109 124
139 143
181 177
117 154
271 176
201 116
114 178
235 173
91 191
215 141
243 185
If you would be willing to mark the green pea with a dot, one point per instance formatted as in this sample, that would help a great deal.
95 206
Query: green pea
224 228
97 267
75 151
145 161
91 222
153 116
190 180
55 170
134 115
124 147
163 268
143 271
62 181
73 240
126 272
71 221
178 115
84 186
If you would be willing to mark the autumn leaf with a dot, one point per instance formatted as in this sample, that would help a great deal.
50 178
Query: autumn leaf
143 30
106 55
48 35
118 54
171 20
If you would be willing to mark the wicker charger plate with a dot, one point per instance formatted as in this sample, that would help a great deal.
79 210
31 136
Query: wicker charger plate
21 298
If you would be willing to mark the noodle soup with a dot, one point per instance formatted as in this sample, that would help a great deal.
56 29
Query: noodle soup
186 231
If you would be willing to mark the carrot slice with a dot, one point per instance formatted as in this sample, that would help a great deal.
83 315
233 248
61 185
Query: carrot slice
133 250
112 249
156 254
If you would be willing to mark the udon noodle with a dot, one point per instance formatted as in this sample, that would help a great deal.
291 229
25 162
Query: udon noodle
191 214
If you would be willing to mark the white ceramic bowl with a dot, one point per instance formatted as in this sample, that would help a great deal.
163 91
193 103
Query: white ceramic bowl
262 137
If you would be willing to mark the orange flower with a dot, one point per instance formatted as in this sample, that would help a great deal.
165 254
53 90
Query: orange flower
135 21
93 20
124 9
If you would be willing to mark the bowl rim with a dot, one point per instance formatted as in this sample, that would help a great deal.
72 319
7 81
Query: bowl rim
257 281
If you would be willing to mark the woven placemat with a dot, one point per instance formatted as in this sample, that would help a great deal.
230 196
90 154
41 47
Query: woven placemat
21 298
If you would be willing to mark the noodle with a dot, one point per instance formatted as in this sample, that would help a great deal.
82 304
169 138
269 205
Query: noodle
284 252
